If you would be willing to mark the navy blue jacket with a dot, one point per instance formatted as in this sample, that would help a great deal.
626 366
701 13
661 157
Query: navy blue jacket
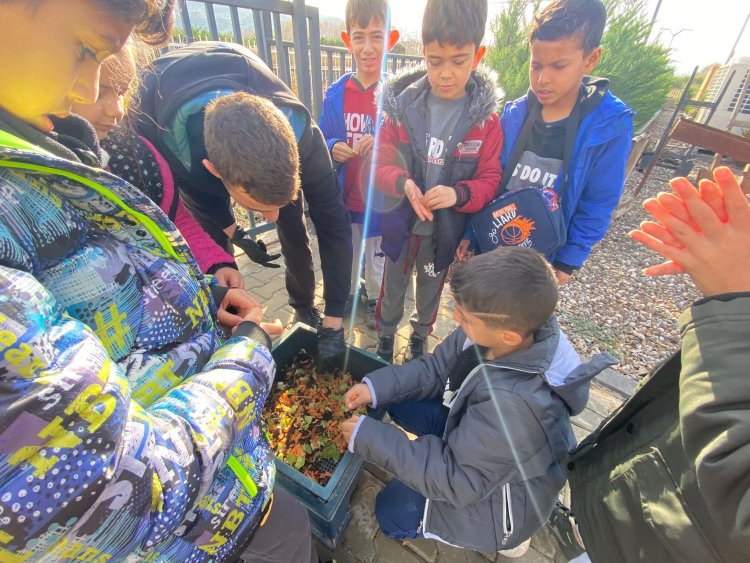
596 173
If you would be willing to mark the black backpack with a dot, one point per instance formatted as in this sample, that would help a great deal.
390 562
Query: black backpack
183 74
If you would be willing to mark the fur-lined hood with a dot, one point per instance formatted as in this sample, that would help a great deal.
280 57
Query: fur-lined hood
400 90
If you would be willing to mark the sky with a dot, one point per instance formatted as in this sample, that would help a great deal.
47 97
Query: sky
701 35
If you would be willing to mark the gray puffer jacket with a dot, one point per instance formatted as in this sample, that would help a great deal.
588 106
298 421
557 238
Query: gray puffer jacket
493 478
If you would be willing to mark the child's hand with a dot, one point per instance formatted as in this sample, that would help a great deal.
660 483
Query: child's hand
342 152
364 145
439 197
274 328
358 396
462 252
414 195
561 276
348 426
229 277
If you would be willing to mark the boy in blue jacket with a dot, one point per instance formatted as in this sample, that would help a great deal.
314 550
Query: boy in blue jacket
348 124
565 48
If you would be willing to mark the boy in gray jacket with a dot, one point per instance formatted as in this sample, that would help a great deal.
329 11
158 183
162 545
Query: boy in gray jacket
491 408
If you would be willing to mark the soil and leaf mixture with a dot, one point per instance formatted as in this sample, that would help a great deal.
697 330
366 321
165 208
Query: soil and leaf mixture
304 415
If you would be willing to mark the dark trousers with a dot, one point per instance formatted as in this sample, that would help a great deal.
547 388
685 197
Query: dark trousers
295 248
398 508
285 535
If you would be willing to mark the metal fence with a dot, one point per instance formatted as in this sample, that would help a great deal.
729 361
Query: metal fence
285 34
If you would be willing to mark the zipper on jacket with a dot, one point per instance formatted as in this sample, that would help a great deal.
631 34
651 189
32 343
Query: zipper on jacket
507 514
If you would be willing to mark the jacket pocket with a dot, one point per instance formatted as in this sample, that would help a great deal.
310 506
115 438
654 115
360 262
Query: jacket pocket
640 514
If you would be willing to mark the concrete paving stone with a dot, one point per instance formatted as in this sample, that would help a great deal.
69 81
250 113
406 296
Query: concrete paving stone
424 549
545 543
391 551
359 535
449 554
588 420
531 556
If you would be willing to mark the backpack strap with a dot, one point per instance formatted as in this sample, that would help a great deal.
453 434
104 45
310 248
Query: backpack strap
10 141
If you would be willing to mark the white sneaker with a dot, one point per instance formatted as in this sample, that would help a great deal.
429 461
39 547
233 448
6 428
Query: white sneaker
517 551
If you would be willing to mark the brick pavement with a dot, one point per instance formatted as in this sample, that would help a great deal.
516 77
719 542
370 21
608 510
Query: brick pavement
362 542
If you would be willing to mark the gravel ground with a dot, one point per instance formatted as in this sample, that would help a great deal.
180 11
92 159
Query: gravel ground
610 305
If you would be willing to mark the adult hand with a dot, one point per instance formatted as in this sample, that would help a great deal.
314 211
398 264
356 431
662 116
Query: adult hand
439 197
364 145
243 308
462 252
358 396
705 235
348 426
342 152
255 249
230 277
561 276
414 195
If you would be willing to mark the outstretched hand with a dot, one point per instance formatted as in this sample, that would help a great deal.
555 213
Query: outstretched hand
704 233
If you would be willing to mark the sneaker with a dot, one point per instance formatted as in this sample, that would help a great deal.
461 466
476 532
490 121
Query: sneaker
372 305
416 346
517 551
385 348
312 317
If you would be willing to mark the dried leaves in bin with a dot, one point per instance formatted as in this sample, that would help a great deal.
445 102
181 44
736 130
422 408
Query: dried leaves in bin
304 415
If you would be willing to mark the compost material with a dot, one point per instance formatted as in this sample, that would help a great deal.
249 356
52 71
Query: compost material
304 415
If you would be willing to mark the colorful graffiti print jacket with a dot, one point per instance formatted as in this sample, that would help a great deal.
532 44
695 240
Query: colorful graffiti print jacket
128 431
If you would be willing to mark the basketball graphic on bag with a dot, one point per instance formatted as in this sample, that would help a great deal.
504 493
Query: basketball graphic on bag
517 231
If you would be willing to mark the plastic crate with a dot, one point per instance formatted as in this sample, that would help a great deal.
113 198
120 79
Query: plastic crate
328 506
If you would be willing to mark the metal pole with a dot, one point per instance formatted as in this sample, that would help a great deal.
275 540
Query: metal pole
734 47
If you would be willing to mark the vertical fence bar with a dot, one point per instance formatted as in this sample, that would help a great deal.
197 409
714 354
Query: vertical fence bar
260 37
186 21
316 62
301 47
236 27
213 29
281 54
329 58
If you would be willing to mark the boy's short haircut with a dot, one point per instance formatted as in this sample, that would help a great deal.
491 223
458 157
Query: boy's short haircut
253 147
454 23
510 288
362 12
584 19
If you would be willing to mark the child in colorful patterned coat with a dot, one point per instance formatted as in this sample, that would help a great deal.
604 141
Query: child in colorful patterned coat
129 429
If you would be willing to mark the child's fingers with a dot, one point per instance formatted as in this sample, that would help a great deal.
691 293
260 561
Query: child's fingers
702 214
659 232
669 268
674 205
665 250
735 201
681 230
711 194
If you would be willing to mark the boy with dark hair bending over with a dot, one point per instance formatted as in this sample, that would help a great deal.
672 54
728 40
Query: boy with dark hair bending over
491 408
438 152
567 108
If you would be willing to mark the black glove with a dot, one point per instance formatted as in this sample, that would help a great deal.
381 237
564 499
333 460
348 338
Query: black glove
331 348
255 249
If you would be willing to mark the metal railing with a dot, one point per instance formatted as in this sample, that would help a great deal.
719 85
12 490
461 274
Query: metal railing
278 31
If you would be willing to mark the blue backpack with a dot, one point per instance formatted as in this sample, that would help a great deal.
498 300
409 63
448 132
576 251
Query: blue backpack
523 217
